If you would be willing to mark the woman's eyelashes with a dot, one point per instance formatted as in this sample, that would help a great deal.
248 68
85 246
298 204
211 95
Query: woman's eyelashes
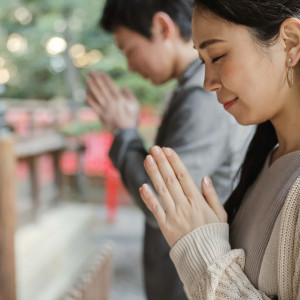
217 58
213 60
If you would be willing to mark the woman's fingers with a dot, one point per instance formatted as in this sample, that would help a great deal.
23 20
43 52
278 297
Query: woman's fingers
187 183
212 199
168 175
153 203
159 183
185 207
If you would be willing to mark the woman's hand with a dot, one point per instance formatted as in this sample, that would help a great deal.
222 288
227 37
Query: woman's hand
183 207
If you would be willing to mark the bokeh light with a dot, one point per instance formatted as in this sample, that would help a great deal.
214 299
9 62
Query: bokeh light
57 63
4 76
23 15
17 43
76 50
56 45
81 61
94 56
81 58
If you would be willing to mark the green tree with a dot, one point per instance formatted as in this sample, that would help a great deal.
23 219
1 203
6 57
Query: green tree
28 70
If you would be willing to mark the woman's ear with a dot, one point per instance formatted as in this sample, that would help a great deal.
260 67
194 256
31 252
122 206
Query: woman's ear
163 26
290 33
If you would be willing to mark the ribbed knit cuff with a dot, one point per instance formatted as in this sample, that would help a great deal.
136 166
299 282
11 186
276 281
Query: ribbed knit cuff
193 253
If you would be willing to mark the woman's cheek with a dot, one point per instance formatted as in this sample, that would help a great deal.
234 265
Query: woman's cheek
234 78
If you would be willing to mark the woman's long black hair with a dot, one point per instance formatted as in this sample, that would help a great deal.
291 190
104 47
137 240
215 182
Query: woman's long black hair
263 18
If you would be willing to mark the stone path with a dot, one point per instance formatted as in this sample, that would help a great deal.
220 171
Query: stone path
51 251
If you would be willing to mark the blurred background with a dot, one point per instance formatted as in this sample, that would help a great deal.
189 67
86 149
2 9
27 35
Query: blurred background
77 234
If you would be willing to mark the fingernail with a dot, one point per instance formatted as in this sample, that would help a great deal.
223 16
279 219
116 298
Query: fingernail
207 181
146 187
150 159
167 151
155 150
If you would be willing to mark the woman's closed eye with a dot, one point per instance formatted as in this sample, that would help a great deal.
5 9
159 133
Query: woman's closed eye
213 60
217 58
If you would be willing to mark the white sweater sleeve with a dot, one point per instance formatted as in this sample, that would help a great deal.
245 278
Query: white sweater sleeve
209 268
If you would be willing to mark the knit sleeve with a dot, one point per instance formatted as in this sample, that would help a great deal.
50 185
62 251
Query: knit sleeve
296 277
289 246
209 268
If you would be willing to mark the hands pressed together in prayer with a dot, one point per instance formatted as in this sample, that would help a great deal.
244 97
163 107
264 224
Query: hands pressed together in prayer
116 108
184 206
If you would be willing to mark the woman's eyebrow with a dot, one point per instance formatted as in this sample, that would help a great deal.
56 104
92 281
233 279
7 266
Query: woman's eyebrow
209 42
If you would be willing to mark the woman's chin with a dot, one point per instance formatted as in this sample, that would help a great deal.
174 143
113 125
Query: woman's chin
245 121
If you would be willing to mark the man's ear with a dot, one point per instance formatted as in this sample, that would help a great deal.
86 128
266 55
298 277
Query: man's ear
290 33
163 26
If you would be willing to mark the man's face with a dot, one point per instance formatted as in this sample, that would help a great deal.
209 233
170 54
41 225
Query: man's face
148 57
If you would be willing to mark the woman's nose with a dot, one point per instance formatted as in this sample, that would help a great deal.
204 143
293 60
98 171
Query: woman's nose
212 82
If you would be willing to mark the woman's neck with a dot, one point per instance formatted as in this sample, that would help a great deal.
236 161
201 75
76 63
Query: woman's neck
287 127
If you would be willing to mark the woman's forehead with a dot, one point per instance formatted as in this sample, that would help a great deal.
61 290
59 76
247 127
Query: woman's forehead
207 26
204 27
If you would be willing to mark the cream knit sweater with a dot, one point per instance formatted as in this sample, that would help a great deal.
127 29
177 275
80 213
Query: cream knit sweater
209 268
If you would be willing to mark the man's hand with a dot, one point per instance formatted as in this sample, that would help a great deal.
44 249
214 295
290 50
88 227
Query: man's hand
116 108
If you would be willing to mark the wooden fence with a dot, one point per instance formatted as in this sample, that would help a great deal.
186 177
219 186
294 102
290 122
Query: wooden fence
95 282
11 150
30 148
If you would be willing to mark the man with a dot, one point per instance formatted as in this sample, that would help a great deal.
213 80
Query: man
155 37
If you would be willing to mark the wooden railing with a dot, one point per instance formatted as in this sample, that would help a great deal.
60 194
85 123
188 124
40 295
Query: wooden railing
30 148
95 282
7 218
12 149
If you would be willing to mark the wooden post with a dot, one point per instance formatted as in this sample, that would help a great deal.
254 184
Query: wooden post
58 174
35 185
7 219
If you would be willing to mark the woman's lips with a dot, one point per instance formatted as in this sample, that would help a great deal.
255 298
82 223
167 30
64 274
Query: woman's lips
228 104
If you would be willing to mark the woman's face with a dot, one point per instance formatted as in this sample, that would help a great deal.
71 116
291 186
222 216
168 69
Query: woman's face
249 79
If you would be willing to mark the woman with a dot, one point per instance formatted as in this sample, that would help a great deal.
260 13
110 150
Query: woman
251 50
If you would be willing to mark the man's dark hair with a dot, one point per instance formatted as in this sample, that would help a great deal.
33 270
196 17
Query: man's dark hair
137 15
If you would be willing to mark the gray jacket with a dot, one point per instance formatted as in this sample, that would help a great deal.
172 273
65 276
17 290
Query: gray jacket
195 125
208 141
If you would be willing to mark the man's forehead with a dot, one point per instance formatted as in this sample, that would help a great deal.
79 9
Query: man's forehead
124 37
